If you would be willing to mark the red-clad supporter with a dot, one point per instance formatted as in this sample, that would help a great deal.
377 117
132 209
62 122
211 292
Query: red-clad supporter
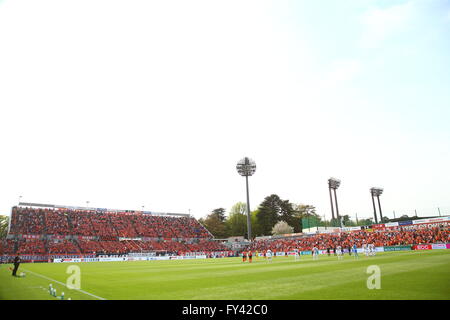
8 247
399 236
31 247
81 223
151 226
106 225
27 221
56 222
101 223
89 247
62 247
206 246
99 232
123 224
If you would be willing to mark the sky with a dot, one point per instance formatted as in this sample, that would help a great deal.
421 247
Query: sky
152 103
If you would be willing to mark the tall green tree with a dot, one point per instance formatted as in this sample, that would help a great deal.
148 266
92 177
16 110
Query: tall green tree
269 213
215 223
346 221
256 227
219 213
307 216
288 214
237 220
3 226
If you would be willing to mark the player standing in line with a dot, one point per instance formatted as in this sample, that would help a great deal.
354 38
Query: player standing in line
340 254
244 256
297 255
250 256
355 251
269 255
365 249
315 253
372 249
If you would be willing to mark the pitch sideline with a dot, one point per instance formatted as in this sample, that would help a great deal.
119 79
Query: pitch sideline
47 278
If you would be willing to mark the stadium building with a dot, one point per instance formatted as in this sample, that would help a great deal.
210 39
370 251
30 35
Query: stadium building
44 232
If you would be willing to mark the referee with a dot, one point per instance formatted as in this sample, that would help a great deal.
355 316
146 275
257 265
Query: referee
16 265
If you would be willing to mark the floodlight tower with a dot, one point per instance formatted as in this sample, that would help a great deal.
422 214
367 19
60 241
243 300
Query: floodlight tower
376 192
379 193
246 167
334 183
373 192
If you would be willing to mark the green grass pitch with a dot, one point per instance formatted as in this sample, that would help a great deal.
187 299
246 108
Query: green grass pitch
404 275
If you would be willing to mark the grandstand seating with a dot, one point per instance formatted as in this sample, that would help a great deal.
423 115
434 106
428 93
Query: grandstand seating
63 247
31 247
419 234
46 231
70 231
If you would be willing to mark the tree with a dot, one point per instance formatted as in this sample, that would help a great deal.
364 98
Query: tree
237 220
215 223
282 227
306 216
365 222
220 213
385 220
256 227
268 213
288 214
347 222
3 226
274 209
303 210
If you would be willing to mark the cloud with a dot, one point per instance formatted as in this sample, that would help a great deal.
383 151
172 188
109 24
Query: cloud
344 70
380 24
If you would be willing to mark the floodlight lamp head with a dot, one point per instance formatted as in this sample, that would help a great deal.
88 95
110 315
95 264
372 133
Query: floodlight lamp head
376 191
334 183
246 167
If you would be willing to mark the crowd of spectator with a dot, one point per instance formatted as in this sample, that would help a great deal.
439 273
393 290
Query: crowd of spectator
56 222
411 235
112 233
31 247
104 225
81 223
27 220
100 232
62 247
59 247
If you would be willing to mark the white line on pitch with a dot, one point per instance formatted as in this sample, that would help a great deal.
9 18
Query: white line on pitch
82 291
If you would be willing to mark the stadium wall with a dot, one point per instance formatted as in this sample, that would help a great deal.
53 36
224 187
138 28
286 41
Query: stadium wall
112 259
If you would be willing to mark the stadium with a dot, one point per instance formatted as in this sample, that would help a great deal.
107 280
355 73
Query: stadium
125 254
125 128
